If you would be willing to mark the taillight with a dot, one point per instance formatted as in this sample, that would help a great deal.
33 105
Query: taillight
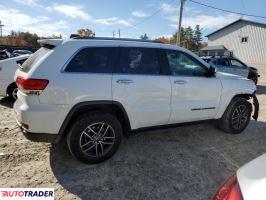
230 190
31 85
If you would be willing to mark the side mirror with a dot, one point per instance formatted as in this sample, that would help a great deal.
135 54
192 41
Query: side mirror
211 72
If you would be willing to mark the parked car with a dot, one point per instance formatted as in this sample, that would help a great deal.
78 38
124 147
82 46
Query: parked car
92 91
234 66
4 54
20 52
248 183
8 68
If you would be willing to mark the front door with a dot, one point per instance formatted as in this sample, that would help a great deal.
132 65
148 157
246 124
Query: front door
194 95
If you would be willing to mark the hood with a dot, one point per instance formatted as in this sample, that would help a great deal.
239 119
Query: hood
224 75
252 179
253 68
236 84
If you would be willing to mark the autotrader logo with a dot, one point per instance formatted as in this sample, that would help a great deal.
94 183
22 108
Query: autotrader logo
27 193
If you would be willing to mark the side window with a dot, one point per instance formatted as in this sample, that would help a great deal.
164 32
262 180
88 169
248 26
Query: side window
139 61
183 64
223 62
236 63
92 60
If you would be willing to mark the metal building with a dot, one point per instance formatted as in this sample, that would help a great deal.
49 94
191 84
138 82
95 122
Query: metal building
245 39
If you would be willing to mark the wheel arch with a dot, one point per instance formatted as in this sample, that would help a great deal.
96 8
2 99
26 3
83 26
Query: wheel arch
113 107
246 96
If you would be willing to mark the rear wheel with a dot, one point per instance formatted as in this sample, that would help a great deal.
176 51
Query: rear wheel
94 137
236 117
12 92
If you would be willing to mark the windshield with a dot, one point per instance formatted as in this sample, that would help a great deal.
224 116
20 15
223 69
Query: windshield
34 58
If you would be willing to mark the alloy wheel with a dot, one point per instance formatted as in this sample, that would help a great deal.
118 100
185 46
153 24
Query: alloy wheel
97 139
240 117
14 93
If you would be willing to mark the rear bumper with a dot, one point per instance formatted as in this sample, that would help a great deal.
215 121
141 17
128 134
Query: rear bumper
39 118
42 137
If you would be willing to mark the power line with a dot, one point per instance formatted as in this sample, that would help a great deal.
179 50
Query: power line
229 11
150 16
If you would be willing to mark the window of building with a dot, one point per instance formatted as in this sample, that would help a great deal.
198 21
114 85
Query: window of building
244 39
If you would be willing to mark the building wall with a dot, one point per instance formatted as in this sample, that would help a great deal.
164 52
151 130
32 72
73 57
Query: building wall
252 52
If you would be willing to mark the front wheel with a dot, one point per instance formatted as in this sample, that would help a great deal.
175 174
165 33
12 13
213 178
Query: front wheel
94 137
236 117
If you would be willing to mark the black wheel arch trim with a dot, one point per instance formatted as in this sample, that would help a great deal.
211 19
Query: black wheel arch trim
255 103
74 109
256 106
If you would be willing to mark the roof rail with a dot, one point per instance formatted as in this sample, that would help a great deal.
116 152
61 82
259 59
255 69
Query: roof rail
74 36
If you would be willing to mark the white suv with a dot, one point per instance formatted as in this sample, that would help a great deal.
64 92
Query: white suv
93 91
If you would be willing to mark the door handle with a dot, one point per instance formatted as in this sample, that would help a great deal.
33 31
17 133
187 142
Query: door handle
180 82
124 81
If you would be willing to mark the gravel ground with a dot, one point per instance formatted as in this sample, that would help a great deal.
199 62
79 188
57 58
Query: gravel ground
187 162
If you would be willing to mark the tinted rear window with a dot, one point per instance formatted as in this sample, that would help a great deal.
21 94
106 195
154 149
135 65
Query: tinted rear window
34 58
92 60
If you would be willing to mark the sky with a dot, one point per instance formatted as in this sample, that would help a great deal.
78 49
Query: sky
132 17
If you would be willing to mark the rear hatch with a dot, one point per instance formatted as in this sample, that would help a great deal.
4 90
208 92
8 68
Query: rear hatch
27 83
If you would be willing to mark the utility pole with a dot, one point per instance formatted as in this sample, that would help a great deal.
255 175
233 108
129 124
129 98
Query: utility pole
113 34
178 35
1 28
119 32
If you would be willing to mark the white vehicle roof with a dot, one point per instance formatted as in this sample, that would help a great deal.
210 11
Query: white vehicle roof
123 42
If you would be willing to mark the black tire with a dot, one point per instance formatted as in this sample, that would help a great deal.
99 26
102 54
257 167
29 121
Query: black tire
232 124
82 136
11 90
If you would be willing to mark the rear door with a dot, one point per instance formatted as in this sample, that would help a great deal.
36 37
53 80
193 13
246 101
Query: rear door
138 83
194 95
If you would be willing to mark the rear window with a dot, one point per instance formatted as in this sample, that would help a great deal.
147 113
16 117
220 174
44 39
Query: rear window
34 58
92 60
